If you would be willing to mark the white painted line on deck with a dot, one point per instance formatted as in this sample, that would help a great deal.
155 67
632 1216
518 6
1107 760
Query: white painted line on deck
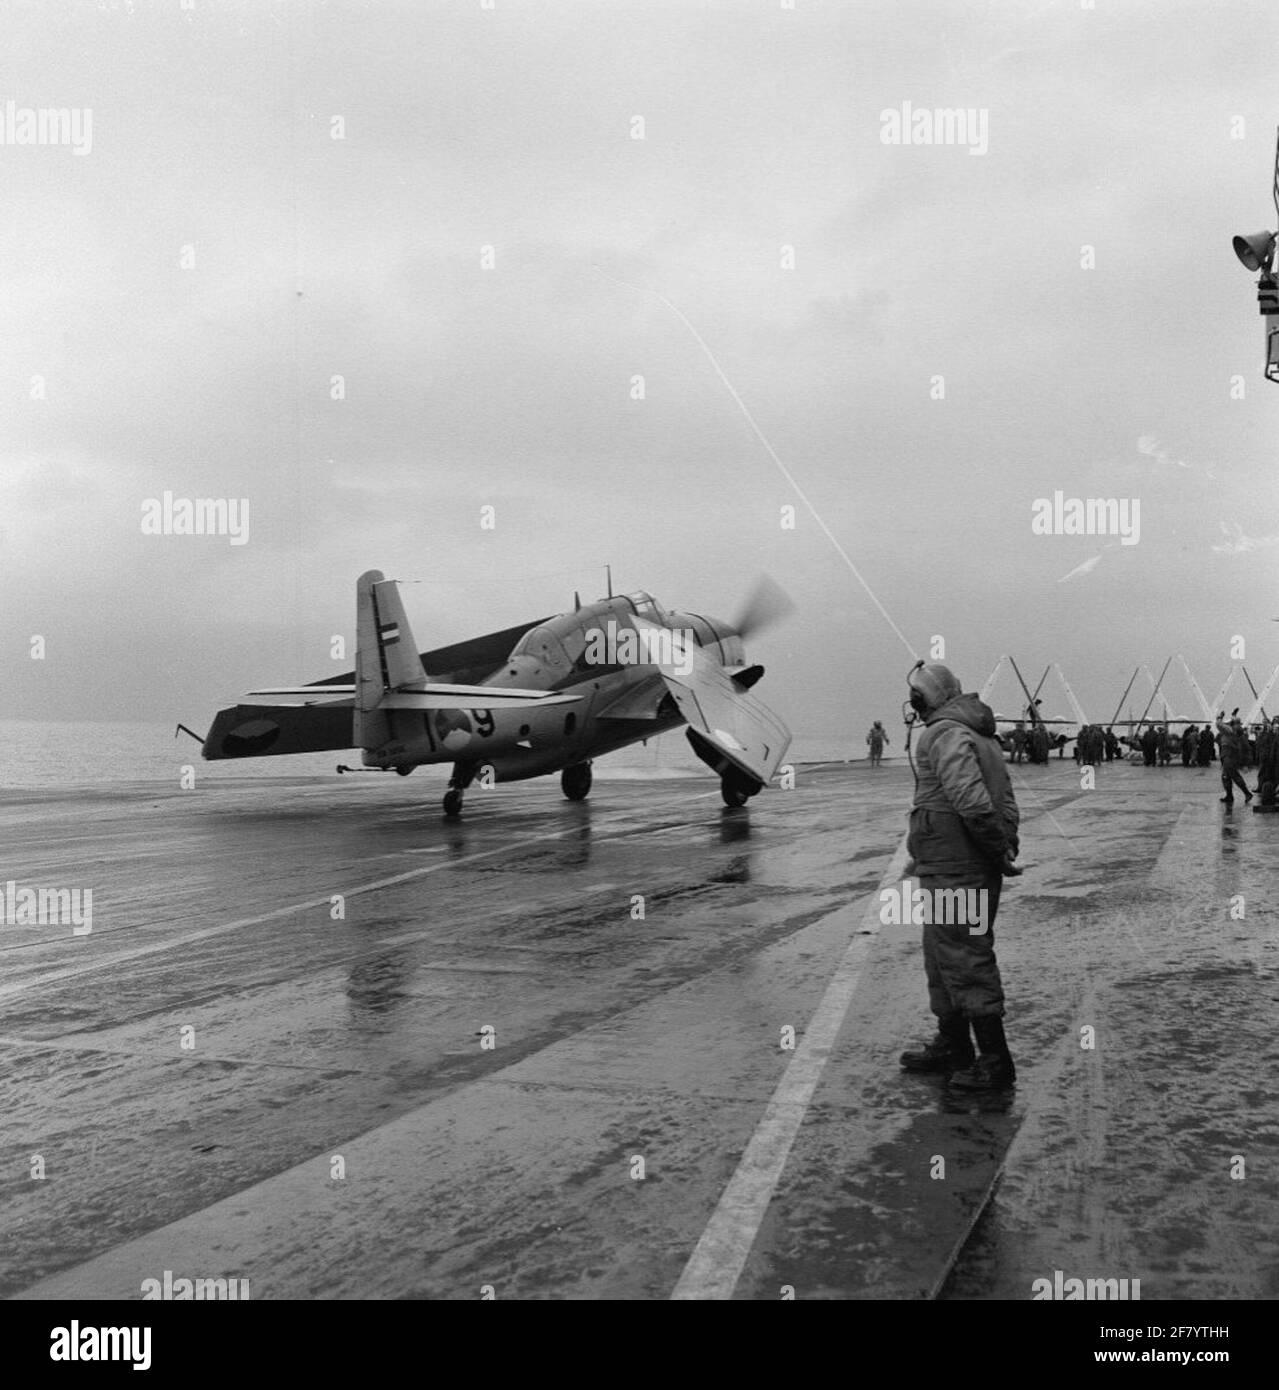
189 938
720 1256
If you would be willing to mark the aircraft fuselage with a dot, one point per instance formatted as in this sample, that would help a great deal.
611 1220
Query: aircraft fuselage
597 654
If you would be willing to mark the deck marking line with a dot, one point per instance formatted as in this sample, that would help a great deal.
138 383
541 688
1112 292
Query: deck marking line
189 938
720 1255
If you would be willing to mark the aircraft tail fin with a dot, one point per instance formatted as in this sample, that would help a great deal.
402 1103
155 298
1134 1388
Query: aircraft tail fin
386 657
386 653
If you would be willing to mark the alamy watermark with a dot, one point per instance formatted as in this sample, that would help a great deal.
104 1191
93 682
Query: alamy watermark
76 1343
962 125
179 1290
198 516
1060 515
908 905
1070 1289
47 907
647 646
71 126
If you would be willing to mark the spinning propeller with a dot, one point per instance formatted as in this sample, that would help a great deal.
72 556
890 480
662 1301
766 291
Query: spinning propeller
766 605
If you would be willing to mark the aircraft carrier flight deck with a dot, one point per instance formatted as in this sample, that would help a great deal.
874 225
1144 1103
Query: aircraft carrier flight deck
643 1046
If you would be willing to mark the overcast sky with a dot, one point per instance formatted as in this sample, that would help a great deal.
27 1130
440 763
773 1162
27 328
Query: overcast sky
178 298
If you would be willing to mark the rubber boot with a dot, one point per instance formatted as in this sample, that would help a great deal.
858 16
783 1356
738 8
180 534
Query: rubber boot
993 1069
951 1048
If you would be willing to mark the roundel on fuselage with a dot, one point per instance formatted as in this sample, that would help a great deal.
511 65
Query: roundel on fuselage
452 728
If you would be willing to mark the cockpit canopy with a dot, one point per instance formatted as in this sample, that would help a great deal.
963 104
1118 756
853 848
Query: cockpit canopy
559 648
645 605
547 646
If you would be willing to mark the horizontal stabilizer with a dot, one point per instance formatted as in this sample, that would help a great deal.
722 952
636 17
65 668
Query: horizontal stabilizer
304 695
251 731
430 697
473 697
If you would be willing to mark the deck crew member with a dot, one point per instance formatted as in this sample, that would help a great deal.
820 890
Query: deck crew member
963 834
876 740
1230 751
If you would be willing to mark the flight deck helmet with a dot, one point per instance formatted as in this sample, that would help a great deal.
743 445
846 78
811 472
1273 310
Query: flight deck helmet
931 686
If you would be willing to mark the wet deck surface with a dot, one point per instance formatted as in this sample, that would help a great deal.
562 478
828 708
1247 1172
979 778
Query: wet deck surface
354 1045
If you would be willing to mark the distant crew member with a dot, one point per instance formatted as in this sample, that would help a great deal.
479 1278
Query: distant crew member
1163 747
1019 741
1206 743
1097 745
1268 761
963 834
1039 744
876 740
1113 750
1149 745
1189 745
1230 751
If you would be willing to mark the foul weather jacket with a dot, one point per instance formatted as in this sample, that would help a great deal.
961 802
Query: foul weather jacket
965 816
1228 746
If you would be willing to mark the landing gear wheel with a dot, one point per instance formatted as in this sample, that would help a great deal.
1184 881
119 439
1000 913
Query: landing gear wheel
575 781
736 788
463 776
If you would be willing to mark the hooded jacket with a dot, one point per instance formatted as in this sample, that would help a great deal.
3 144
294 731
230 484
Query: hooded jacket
1229 739
965 816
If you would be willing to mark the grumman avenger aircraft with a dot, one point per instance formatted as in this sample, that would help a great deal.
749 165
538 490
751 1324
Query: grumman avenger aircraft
547 696
1176 726
1060 731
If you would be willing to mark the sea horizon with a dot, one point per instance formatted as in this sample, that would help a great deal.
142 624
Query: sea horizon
36 753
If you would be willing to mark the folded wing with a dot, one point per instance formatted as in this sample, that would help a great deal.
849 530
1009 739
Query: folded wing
728 723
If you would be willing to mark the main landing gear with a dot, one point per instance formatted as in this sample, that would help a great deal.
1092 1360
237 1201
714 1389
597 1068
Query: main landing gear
736 787
575 781
461 779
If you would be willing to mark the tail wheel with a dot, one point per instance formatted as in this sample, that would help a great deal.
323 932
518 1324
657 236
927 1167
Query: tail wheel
452 803
575 781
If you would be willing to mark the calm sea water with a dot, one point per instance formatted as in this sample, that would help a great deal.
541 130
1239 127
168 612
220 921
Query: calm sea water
39 754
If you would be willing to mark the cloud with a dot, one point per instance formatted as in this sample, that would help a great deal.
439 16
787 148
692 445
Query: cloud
1237 543
1086 568
1151 447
